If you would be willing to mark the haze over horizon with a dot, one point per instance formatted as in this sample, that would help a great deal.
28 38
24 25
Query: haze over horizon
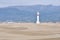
5 3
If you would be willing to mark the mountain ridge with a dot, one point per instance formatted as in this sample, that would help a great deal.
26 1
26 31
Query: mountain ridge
48 13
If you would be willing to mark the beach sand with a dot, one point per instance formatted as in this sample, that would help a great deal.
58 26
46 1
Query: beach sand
29 31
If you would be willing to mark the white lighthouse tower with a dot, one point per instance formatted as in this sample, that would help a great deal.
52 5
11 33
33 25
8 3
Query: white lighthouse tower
38 22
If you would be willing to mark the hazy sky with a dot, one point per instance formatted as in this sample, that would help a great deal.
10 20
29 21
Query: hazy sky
4 3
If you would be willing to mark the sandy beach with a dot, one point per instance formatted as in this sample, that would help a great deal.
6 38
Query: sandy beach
29 31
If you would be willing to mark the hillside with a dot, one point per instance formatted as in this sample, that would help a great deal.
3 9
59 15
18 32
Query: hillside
48 13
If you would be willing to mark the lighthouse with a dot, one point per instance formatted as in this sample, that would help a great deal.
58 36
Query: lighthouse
38 22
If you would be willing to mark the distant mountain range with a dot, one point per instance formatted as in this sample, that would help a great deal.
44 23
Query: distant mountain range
48 13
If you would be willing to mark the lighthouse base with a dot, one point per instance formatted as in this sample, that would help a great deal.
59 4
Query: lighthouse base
37 22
